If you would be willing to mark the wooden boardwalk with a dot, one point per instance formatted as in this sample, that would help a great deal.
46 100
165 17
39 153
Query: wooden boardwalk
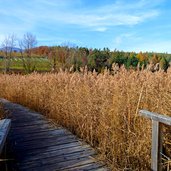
38 145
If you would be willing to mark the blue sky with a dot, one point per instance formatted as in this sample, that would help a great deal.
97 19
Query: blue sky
129 25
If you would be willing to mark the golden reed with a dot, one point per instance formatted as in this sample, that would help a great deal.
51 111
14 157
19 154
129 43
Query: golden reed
100 108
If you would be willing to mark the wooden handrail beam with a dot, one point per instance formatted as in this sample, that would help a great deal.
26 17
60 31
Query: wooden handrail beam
4 129
156 117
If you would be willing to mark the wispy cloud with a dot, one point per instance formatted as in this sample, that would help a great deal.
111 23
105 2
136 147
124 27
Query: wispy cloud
99 19
104 22
120 38
116 14
151 46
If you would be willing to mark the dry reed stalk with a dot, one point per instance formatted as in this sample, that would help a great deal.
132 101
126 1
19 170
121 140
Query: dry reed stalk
100 108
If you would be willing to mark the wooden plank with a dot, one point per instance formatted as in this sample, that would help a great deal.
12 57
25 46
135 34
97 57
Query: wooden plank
23 119
44 138
29 131
4 129
38 151
76 163
21 124
32 132
67 152
39 136
31 127
157 117
52 160
61 166
87 167
42 145
21 155
48 139
26 115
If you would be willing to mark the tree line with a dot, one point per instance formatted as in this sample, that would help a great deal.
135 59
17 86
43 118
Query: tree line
65 57
99 59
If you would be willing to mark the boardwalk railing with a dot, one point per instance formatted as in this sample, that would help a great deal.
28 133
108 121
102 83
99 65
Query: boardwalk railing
157 121
4 129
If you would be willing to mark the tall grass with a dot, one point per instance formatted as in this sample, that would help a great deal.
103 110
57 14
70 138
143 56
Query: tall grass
100 108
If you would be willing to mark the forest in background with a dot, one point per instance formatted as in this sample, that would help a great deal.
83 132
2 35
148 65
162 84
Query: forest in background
30 58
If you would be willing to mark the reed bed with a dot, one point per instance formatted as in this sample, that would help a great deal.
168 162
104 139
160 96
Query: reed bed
100 108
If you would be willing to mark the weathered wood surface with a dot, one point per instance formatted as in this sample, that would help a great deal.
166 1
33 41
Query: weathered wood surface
156 117
156 145
4 129
157 121
38 145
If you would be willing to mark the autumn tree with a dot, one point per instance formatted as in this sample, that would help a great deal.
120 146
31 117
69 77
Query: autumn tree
155 59
7 45
163 64
143 58
132 61
117 57
59 57
84 52
97 60
78 58
41 51
26 45
53 57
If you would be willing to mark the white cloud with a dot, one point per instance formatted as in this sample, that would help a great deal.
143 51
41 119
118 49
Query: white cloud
101 29
107 16
118 40
153 46
124 37
65 12
130 42
39 16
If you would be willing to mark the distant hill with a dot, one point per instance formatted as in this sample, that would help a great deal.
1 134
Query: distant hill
14 49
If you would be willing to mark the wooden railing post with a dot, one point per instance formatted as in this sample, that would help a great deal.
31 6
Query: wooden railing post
157 121
156 145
